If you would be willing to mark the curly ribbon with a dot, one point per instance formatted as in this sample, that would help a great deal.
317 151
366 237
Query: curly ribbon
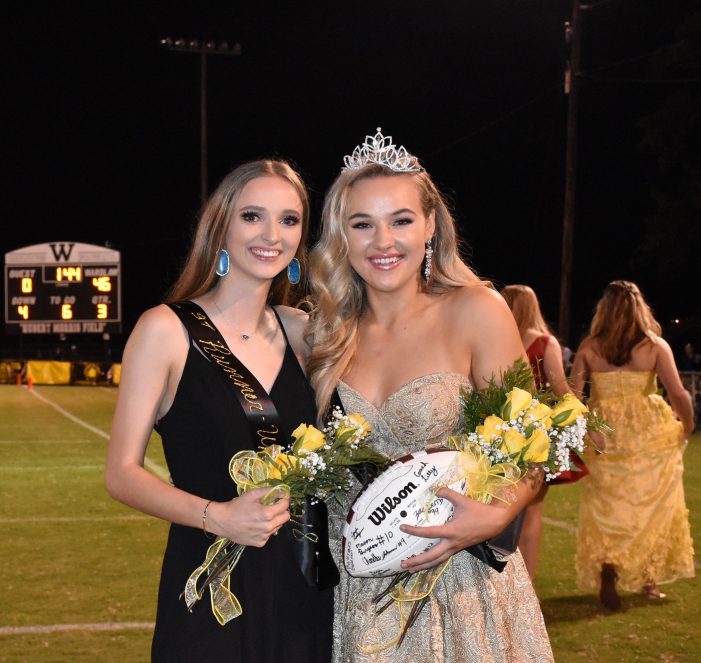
249 470
484 481
300 527
472 474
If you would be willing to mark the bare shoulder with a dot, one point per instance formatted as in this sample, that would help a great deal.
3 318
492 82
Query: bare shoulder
659 342
660 347
160 329
479 306
586 346
480 312
295 321
553 345
159 319
484 330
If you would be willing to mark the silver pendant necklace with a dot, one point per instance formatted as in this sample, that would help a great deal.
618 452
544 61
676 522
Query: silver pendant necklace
244 337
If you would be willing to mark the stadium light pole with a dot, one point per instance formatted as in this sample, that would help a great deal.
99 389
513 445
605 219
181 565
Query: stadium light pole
203 48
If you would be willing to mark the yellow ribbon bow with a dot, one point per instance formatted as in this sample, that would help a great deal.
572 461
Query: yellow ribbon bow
248 469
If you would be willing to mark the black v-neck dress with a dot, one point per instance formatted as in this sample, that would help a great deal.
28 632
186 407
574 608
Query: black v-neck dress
284 619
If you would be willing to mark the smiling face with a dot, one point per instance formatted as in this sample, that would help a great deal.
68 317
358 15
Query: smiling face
265 229
387 232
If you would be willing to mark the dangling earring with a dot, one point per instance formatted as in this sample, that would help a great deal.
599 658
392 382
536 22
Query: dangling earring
223 263
294 271
429 257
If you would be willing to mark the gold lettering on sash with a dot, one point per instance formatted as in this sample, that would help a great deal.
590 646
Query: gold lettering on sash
264 435
219 353
202 319
213 347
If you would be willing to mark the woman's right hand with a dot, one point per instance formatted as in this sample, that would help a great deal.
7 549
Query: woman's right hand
246 520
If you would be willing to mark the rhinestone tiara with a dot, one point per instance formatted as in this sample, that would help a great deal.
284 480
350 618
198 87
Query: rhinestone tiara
380 149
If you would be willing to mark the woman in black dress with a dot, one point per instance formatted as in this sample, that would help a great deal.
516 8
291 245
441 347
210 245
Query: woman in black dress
251 230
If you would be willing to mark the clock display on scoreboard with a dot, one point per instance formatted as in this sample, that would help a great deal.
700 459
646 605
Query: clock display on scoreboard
62 287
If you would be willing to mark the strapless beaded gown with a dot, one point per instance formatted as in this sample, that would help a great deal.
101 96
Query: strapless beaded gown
632 510
475 615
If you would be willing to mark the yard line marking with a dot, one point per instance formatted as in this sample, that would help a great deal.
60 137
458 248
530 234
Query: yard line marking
66 441
68 415
42 468
69 519
149 464
57 628
109 390
561 524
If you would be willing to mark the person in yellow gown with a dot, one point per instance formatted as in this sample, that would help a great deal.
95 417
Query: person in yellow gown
633 521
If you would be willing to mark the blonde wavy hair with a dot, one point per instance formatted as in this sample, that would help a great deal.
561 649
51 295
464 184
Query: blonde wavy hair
622 319
198 275
525 307
339 293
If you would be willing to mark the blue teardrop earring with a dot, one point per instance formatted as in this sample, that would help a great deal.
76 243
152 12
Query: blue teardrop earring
294 271
223 263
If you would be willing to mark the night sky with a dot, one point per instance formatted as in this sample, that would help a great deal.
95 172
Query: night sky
101 124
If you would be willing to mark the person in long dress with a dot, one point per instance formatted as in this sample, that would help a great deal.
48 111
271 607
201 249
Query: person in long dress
545 356
401 325
633 521
252 228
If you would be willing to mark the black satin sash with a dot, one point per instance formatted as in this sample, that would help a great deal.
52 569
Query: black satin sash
313 557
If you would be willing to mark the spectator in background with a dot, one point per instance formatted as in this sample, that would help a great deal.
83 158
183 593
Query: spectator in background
545 356
567 358
689 361
633 524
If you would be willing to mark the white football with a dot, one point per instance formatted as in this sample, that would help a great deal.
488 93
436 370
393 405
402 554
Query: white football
373 545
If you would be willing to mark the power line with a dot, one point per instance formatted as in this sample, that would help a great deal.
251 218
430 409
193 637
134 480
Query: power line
596 5
614 79
495 121
634 58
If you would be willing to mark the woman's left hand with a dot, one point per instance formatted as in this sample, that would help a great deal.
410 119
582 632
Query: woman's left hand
473 522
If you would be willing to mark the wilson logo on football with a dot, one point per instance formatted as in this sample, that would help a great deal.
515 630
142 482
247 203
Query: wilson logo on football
391 503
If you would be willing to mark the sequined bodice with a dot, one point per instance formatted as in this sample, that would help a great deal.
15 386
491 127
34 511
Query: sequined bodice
421 413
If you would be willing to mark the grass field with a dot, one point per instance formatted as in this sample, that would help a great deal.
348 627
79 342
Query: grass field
79 572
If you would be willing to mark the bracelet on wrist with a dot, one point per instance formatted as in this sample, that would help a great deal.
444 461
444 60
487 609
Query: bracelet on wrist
209 535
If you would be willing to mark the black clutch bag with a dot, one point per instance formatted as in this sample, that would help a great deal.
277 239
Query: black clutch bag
504 543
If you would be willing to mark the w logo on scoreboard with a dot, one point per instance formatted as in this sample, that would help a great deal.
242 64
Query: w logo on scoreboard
62 251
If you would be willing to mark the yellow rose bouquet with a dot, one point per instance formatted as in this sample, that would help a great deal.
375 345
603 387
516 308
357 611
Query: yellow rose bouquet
315 465
512 424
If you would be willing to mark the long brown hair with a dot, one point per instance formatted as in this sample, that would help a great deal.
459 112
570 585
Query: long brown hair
622 319
339 293
198 275
525 307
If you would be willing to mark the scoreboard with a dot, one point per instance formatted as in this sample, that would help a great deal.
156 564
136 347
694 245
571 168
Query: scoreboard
63 288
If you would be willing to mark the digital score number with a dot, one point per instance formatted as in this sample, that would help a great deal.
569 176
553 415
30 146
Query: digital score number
62 287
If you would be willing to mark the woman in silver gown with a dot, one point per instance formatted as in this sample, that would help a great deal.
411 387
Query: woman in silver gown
401 326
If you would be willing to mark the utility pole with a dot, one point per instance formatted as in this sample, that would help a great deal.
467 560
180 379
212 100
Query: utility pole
204 49
573 38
